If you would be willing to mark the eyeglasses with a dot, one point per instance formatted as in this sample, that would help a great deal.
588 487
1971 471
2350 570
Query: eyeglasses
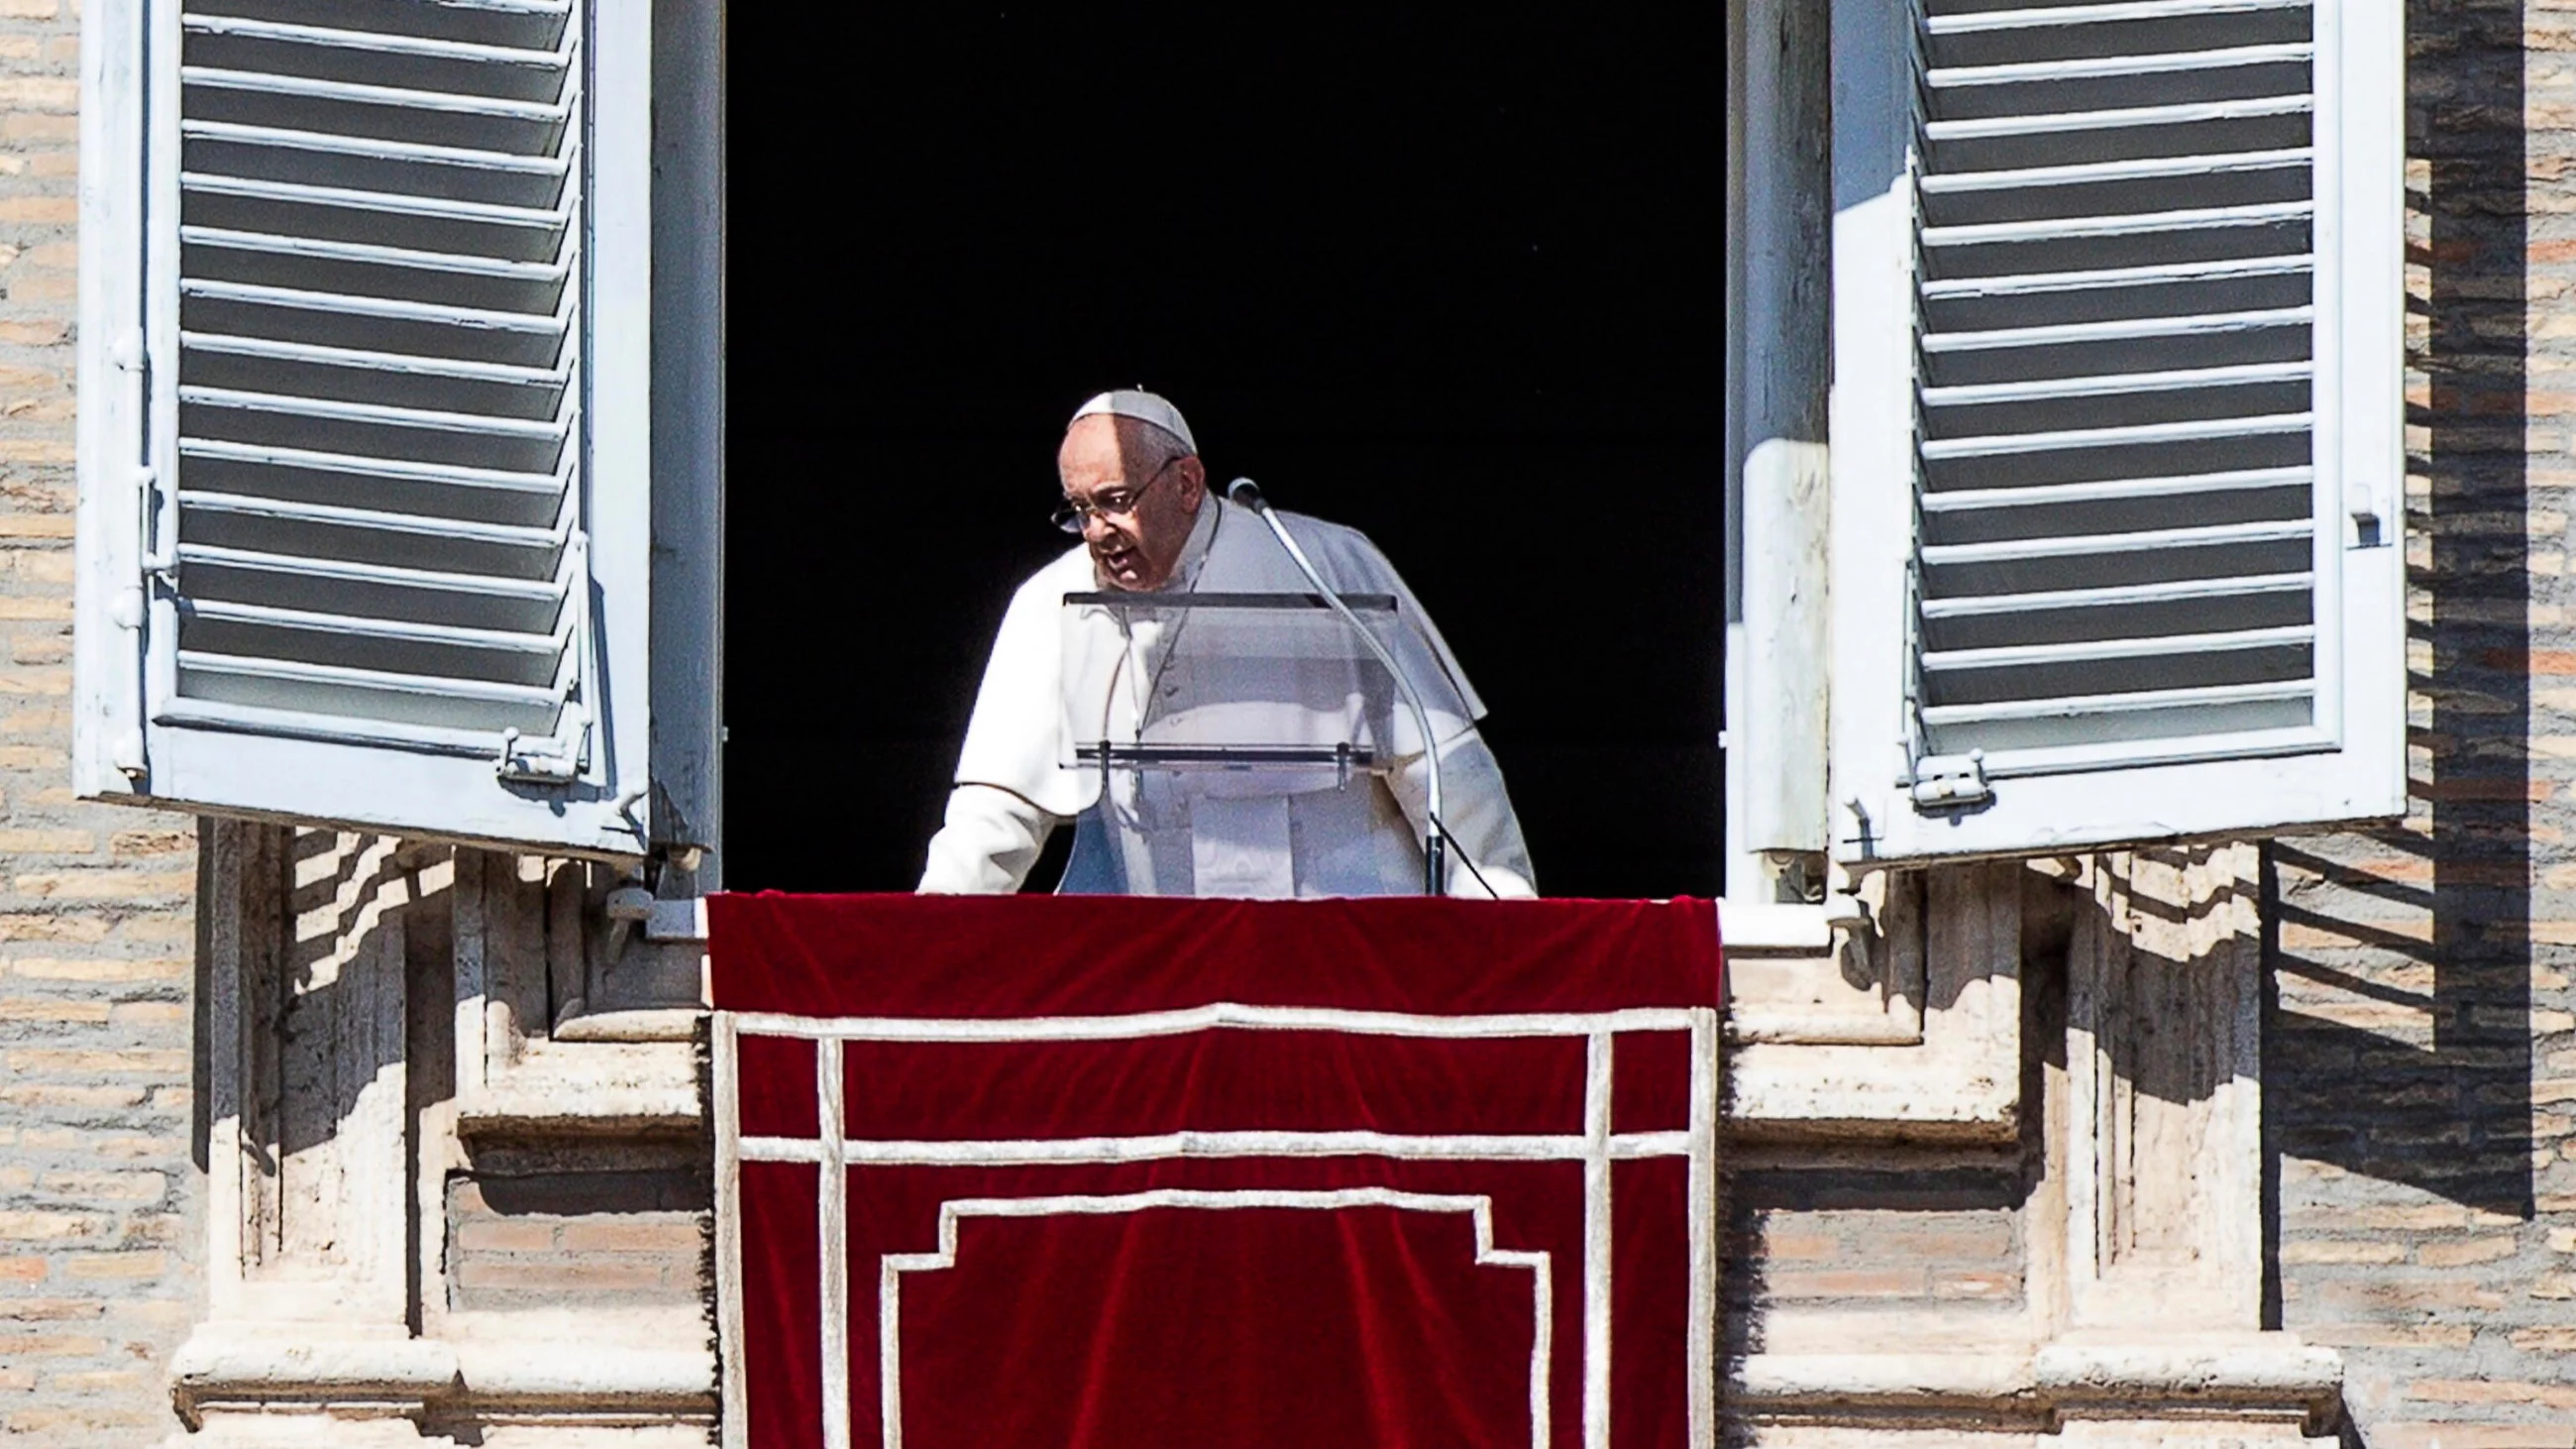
1074 516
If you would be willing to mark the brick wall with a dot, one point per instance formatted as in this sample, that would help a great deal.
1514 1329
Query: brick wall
98 1195
2421 1057
1813 1227
541 1236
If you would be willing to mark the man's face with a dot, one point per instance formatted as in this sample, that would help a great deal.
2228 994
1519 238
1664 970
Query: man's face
1142 500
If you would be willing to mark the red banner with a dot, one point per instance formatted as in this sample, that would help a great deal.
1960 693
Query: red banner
1111 1172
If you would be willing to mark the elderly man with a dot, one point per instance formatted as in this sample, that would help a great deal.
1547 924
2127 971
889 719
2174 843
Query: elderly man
1135 491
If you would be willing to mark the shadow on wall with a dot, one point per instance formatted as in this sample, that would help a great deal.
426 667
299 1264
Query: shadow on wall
2399 1044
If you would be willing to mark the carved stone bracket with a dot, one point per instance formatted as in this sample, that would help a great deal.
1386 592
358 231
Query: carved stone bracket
367 1003
2141 1321
1904 1024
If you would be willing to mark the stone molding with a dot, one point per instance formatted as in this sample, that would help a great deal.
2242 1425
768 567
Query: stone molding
2142 1254
2265 1378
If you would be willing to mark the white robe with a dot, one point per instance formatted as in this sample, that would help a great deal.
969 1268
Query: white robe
1215 836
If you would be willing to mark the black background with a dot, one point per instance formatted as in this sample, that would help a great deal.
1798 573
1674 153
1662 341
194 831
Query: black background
1452 278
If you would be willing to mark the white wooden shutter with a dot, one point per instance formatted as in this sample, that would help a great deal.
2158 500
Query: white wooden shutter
365 413
2117 447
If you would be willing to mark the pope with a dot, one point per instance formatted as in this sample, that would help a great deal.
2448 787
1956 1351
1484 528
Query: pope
1136 493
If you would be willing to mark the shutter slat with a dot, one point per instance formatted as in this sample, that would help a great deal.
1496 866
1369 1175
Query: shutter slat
553 431
2268 214
381 575
2157 541
2118 279
2046 388
376 148
410 365
546 646
542 221
2174 591
376 96
305 248
2131 118
356 93
2105 649
2076 438
2115 489
297 724
2123 329
2079 706
2104 67
399 470
2104 172
554 327
382 42
2054 16
428 527
429 688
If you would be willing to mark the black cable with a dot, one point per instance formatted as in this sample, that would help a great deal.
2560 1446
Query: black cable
1464 858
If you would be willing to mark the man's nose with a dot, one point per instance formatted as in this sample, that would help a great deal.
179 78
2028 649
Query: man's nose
1096 526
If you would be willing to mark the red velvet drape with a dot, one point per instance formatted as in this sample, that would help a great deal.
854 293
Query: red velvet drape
1136 1234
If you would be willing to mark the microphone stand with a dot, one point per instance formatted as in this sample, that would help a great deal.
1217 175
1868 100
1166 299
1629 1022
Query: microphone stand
1435 838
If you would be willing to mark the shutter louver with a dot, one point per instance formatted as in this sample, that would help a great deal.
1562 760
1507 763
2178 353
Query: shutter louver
369 411
378 523
2117 530
2117 437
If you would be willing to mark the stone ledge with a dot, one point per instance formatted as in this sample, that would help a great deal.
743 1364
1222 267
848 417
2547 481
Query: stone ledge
339 1369
1948 1092
341 1373
647 1024
2265 1369
1876 1382
2255 1378
587 1377
572 1108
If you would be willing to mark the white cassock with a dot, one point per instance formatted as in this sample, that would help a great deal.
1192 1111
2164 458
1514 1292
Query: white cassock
1265 835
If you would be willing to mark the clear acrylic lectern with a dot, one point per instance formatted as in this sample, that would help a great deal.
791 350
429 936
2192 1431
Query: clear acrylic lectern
1266 683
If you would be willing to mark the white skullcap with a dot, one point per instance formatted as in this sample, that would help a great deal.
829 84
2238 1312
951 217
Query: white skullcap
1144 407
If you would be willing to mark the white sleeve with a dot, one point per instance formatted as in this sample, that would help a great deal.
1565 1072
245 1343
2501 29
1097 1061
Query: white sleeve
990 840
1478 813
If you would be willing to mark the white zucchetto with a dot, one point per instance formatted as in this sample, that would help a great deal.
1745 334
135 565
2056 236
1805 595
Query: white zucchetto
1144 407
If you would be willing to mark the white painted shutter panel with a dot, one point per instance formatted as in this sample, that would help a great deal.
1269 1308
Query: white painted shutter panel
365 517
2117 423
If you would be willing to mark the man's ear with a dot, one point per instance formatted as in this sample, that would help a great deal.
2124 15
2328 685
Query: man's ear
1193 481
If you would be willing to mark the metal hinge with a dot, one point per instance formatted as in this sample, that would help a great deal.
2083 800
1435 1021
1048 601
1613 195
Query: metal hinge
1951 782
553 765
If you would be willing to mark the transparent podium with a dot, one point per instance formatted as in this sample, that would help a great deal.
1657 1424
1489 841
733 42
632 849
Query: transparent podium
1195 708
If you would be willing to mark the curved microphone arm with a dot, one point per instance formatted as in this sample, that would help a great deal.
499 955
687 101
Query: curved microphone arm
1435 836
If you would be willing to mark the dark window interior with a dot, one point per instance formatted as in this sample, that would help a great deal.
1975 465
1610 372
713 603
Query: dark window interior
1449 275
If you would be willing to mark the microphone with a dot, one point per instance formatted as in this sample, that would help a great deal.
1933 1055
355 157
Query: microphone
1435 836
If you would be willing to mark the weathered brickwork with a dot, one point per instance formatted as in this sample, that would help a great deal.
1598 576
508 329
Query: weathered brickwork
98 1193
2421 1058
1907 1230
588 1237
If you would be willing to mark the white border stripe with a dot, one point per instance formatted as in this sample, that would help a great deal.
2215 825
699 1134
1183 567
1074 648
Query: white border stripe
1596 1240
1205 1018
736 1401
1702 1207
1030 1152
834 1187
893 1265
